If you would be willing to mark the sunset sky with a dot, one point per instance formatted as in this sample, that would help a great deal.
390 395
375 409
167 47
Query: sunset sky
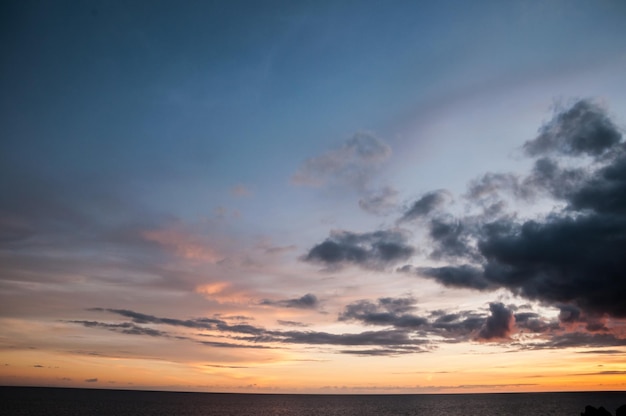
313 196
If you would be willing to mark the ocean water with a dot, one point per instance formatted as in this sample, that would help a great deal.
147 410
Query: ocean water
84 402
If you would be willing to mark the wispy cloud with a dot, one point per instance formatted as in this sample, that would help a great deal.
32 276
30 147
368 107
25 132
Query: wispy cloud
185 244
125 328
353 164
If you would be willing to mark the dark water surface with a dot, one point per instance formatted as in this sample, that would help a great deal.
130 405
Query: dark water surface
83 402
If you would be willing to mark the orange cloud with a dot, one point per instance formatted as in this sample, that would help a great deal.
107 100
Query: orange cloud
184 244
222 292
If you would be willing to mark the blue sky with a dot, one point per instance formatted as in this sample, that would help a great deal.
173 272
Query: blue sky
260 161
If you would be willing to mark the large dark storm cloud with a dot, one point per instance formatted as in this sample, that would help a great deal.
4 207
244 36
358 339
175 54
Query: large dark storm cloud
371 250
576 254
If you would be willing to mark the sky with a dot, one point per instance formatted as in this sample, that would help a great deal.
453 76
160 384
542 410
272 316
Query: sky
313 197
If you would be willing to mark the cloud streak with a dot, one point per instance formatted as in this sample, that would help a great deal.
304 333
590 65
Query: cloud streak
247 336
308 301
402 329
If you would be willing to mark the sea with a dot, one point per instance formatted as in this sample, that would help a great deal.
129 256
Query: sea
22 401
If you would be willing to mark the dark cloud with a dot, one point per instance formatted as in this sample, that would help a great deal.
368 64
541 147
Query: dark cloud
453 327
386 311
218 344
534 323
241 329
452 238
579 340
308 301
292 323
377 352
564 260
572 316
371 250
125 328
577 260
91 380
547 176
604 193
202 323
499 324
403 331
256 337
390 337
583 128
457 327
569 314
425 205
398 305
218 316
608 352
464 276
572 256
198 323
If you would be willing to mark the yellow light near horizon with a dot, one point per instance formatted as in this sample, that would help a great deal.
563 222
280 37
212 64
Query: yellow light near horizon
451 369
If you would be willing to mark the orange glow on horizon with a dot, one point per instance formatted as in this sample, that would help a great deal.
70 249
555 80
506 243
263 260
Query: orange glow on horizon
326 374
